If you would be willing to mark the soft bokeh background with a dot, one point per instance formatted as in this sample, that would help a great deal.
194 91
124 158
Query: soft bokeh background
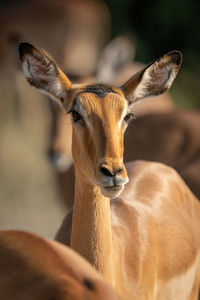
74 32
161 26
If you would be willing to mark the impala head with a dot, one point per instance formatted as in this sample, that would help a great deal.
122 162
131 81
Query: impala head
99 113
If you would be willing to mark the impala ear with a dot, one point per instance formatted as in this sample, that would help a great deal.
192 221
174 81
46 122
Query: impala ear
42 72
153 80
115 55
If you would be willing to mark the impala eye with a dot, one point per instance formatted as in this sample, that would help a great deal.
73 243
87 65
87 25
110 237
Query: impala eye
128 117
76 117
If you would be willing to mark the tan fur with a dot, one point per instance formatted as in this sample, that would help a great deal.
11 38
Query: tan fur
155 233
145 240
171 138
35 268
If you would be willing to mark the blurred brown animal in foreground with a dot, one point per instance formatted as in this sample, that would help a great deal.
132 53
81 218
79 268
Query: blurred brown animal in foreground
35 268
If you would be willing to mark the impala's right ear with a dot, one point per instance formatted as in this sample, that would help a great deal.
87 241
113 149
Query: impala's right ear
42 72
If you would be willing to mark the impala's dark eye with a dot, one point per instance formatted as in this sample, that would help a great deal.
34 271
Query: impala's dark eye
76 116
128 117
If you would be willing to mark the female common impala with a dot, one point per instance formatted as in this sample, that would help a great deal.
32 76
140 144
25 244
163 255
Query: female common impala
145 240
114 67
33 268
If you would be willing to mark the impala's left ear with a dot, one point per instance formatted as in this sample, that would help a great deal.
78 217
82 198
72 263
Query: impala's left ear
153 80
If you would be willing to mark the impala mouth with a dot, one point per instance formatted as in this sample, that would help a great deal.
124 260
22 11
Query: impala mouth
112 191
113 188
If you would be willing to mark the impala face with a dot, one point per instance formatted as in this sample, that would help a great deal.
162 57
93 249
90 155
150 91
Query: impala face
99 117
99 113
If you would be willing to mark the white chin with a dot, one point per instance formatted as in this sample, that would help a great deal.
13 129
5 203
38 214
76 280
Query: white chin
112 192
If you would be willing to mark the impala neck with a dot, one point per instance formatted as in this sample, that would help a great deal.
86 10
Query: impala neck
91 226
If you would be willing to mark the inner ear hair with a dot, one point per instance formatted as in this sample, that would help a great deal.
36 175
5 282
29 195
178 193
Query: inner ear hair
43 73
154 79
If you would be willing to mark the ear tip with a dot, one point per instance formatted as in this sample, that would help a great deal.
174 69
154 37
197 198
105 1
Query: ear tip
176 57
24 48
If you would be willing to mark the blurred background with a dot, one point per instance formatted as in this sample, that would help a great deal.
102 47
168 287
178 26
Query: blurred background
160 26
76 33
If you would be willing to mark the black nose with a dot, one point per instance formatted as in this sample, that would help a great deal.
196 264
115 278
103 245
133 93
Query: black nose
107 172
53 155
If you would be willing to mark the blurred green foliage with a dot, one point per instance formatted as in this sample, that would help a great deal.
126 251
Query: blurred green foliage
161 26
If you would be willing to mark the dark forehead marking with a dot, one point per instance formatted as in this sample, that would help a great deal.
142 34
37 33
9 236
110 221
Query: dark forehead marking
100 90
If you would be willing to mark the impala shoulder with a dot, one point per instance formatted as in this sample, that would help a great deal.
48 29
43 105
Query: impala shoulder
147 179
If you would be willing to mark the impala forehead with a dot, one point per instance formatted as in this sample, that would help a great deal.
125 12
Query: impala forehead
91 106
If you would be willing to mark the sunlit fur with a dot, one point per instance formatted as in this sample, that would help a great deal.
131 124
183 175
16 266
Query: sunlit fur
146 242
97 142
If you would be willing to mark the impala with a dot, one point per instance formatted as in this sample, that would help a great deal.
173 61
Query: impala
115 66
34 268
145 238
